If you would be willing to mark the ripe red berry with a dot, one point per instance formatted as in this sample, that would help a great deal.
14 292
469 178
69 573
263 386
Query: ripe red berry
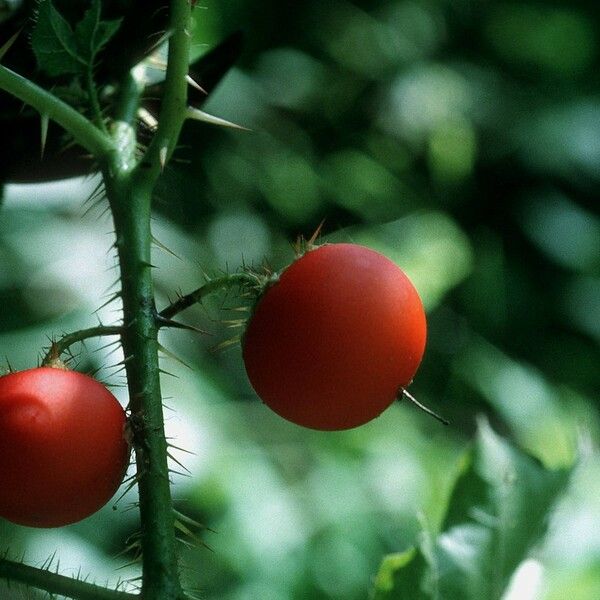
63 451
332 342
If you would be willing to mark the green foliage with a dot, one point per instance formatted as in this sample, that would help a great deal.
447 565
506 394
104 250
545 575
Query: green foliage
92 33
498 512
61 50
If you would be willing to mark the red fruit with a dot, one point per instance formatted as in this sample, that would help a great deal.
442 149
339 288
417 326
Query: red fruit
63 451
332 342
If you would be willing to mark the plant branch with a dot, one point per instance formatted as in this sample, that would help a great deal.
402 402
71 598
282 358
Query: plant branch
82 130
123 128
53 583
211 286
130 203
128 99
93 97
61 345
174 101
129 190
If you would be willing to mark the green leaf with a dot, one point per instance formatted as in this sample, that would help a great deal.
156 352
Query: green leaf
54 43
92 34
399 576
498 511
60 50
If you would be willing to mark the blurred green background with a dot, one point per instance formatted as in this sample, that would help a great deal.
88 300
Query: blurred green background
459 137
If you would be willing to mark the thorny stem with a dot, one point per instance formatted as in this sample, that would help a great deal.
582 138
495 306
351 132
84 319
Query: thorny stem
174 101
64 343
129 192
208 288
93 97
53 583
131 213
84 132
128 101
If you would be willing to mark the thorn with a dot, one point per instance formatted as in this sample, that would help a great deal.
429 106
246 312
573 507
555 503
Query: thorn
226 344
164 322
163 38
178 462
112 298
233 323
179 448
195 84
186 519
169 374
315 235
6 47
239 309
199 115
44 120
174 357
147 118
423 408
163 247
162 155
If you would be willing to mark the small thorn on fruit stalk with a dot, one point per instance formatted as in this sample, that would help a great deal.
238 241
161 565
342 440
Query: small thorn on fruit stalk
409 396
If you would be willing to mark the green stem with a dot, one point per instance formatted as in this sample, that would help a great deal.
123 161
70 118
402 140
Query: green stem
58 584
84 132
130 203
63 344
94 102
174 100
208 288
128 100
129 193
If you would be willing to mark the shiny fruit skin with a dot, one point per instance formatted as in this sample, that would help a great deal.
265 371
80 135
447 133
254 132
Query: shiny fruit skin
63 451
331 343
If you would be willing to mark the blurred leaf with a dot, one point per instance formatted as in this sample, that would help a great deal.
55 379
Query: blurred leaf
566 232
498 512
562 139
542 37
544 421
399 575
580 583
